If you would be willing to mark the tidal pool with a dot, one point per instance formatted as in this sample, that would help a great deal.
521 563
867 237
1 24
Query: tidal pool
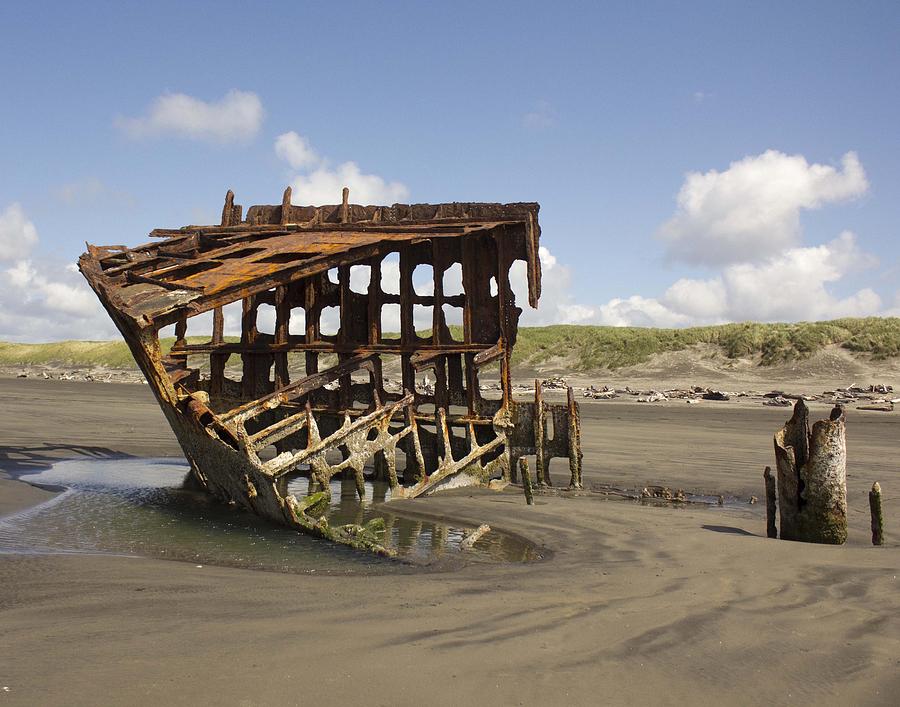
138 507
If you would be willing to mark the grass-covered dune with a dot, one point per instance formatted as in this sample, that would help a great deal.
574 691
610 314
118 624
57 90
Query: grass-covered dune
585 347
593 347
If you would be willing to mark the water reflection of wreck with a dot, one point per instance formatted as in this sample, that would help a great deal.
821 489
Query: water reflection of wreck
246 439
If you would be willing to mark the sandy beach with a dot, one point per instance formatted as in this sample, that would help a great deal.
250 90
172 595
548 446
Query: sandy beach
633 604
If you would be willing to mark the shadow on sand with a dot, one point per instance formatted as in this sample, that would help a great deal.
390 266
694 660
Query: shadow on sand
729 529
19 460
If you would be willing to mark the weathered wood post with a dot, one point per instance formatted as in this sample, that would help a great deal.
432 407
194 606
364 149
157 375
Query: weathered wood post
771 529
812 477
526 481
877 515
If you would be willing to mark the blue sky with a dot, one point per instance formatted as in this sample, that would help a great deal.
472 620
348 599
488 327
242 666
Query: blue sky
599 111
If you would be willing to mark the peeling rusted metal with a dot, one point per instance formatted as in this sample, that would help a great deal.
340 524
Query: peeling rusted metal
280 256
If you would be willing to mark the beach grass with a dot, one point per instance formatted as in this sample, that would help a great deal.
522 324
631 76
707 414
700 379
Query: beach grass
595 347
584 347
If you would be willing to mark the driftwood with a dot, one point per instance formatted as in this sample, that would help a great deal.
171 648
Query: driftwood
778 401
716 395
812 477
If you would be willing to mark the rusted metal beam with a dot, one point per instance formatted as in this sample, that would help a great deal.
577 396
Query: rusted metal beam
335 347
134 277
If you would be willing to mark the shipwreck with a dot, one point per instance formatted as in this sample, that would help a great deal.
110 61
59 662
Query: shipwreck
261 416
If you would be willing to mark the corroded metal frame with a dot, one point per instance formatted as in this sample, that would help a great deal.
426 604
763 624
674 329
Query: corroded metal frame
292 257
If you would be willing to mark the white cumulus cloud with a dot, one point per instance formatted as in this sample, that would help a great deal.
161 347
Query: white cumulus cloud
236 116
697 300
894 311
17 234
638 311
790 286
745 224
47 302
793 285
42 301
752 209
324 186
319 183
557 304
296 151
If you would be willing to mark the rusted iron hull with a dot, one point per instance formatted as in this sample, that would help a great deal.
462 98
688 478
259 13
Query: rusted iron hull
249 429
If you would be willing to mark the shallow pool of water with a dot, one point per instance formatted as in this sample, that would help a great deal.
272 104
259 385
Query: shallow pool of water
137 507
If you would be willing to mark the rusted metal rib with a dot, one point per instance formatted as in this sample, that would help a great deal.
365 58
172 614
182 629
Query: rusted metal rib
296 389
283 464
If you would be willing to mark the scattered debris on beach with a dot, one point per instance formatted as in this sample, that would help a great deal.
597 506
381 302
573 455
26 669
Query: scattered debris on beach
95 375
877 397
664 493
556 383
604 393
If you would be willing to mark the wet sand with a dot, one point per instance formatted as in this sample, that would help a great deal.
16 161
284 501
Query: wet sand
635 604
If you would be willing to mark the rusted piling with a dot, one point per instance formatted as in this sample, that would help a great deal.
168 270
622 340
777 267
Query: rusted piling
771 528
877 514
812 477
541 474
574 440
526 481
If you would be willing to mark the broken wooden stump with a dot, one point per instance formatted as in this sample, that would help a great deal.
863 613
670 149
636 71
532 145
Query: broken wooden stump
877 514
526 481
812 477
771 528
